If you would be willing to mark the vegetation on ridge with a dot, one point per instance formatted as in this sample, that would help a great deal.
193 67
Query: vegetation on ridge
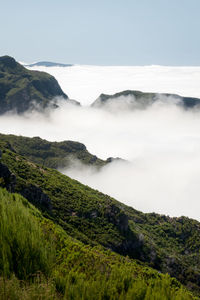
51 154
169 244
38 260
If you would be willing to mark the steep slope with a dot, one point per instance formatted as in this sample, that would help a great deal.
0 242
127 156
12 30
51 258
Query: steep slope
168 244
52 154
138 100
38 260
21 89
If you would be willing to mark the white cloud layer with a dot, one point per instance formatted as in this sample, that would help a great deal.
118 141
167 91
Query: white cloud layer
161 143
86 83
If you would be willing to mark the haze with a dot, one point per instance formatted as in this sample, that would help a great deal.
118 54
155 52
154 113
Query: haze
160 143
86 83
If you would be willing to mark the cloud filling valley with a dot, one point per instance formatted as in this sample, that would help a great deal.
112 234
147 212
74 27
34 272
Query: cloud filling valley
161 143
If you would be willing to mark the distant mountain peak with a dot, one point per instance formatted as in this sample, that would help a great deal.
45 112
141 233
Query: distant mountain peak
48 64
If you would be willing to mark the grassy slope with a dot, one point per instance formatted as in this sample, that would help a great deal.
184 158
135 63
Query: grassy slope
168 244
52 265
51 154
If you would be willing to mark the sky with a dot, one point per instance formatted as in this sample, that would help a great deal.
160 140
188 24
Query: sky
106 32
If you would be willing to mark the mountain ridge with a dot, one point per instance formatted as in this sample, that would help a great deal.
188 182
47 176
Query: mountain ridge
134 99
55 155
47 64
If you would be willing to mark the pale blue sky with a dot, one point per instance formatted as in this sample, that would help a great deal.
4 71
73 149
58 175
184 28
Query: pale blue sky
104 32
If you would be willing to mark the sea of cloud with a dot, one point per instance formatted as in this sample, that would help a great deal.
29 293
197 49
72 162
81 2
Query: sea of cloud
161 144
86 83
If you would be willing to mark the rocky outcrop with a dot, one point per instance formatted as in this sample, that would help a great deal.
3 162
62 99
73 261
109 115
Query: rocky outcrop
36 196
32 193
115 216
7 179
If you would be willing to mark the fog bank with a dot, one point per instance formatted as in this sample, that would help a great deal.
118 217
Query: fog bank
161 143
86 83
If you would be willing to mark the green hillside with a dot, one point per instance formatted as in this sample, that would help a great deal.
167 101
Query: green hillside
171 245
51 154
22 89
39 260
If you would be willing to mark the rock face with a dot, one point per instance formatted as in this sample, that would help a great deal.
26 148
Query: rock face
33 193
139 100
36 196
22 89
117 217
7 179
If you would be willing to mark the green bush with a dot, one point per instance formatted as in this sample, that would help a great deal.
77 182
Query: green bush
38 260
22 250
39 289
